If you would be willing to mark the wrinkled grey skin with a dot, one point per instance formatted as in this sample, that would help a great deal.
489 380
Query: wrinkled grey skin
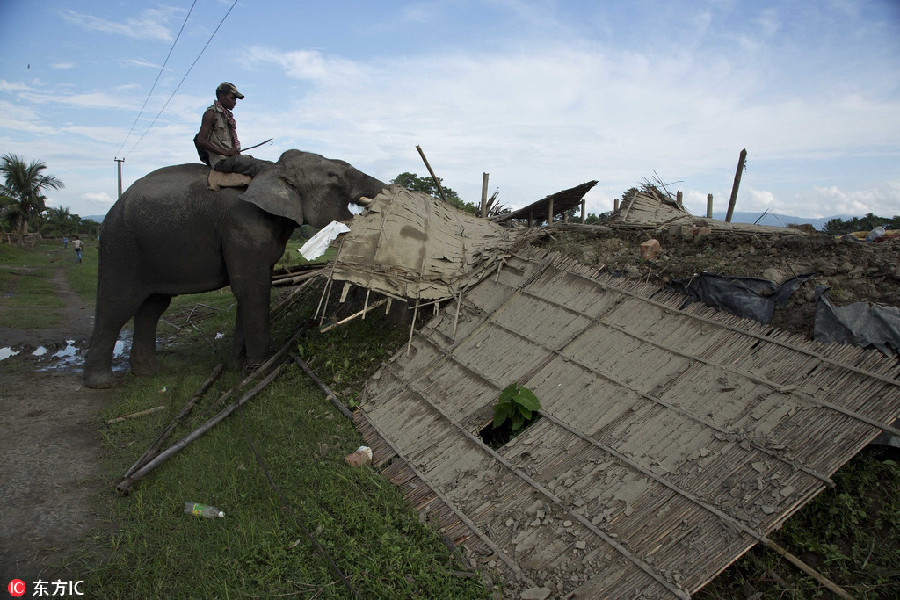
168 235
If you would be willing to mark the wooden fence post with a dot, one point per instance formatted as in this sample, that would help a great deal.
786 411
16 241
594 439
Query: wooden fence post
484 188
709 206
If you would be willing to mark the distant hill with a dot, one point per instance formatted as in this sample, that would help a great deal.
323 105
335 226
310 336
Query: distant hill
777 219
98 218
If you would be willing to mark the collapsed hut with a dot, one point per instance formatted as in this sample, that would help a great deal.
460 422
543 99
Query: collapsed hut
670 439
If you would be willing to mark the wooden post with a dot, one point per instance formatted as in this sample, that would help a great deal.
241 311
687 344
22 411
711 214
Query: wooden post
484 188
531 218
616 205
678 199
709 206
550 212
582 210
742 163
433 176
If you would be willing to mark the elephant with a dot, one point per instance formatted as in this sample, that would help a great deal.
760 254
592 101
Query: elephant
168 234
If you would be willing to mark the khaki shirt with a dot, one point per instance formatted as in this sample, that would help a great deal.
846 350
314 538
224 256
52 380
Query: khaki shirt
220 135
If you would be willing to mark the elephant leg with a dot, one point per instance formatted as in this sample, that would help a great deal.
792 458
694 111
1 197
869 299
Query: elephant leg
109 319
143 348
238 349
252 324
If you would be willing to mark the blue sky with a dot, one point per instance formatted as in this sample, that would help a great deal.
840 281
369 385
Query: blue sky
543 95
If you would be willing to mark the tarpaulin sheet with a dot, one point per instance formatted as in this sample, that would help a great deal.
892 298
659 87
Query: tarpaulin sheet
748 297
861 323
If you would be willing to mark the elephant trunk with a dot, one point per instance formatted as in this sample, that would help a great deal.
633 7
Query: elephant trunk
368 189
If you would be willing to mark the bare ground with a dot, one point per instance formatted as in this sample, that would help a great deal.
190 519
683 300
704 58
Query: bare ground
50 468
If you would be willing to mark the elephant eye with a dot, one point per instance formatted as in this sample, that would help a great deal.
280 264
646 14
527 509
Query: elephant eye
332 174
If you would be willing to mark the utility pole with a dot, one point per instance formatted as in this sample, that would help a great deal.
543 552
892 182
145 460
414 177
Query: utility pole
119 166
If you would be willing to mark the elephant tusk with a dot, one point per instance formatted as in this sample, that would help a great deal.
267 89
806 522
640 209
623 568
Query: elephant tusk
363 201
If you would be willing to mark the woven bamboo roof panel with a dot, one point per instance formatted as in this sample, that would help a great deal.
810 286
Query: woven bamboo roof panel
411 245
643 210
670 441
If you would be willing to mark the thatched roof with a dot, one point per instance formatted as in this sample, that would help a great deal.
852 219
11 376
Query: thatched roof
645 209
562 201
670 441
412 245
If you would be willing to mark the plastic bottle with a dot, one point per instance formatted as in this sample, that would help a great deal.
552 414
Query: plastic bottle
202 510
875 234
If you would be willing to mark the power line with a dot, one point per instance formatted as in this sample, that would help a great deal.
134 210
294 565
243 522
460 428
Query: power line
175 91
155 81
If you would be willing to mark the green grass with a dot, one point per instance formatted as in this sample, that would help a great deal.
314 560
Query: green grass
261 547
26 291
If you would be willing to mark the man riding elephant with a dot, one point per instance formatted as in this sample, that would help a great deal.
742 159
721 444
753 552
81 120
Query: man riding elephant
217 142
218 138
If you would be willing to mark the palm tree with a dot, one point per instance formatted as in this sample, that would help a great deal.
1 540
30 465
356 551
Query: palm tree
58 220
25 184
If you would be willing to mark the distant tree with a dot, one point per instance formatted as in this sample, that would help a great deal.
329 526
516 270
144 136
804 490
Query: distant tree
91 228
867 223
426 185
25 184
57 221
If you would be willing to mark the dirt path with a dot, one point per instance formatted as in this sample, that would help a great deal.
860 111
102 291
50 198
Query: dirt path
50 470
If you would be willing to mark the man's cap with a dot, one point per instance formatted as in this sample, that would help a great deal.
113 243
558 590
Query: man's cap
229 88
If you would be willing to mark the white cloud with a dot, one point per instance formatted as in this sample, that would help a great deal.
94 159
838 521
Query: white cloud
882 199
63 65
308 65
558 116
150 25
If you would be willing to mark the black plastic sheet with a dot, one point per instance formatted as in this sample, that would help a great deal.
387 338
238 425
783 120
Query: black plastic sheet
749 297
861 324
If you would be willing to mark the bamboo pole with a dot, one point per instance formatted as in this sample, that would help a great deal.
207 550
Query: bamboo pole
181 444
140 413
741 165
329 395
294 280
361 313
832 586
433 176
153 450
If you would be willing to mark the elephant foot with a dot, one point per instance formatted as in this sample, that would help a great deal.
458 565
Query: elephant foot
250 367
98 379
144 367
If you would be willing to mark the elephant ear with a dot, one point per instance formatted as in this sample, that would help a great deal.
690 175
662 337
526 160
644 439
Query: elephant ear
272 192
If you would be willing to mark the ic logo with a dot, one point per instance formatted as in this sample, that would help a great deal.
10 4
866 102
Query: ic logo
16 588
